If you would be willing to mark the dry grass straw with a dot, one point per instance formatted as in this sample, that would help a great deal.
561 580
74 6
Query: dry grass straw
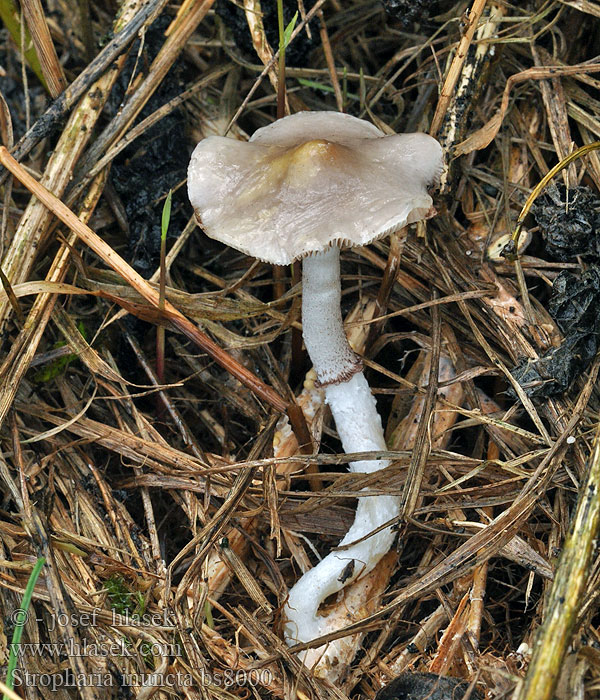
175 535
33 15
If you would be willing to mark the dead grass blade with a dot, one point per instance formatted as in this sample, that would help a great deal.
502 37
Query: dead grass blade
567 593
484 136
422 442
57 110
49 63
472 17
181 31
111 258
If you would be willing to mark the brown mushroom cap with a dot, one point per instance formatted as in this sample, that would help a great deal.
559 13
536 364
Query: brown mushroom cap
309 181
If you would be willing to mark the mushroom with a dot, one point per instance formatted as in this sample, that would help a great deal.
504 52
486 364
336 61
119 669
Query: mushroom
303 187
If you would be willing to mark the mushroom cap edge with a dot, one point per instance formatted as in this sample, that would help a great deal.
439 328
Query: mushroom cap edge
279 203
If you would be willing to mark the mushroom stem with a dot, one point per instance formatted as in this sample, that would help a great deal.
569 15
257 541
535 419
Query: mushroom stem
332 357
359 426
337 366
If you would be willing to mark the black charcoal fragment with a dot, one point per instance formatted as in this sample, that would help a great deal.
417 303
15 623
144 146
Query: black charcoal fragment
556 370
569 221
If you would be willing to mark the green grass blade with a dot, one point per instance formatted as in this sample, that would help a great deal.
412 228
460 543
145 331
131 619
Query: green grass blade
160 331
166 216
287 34
20 620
